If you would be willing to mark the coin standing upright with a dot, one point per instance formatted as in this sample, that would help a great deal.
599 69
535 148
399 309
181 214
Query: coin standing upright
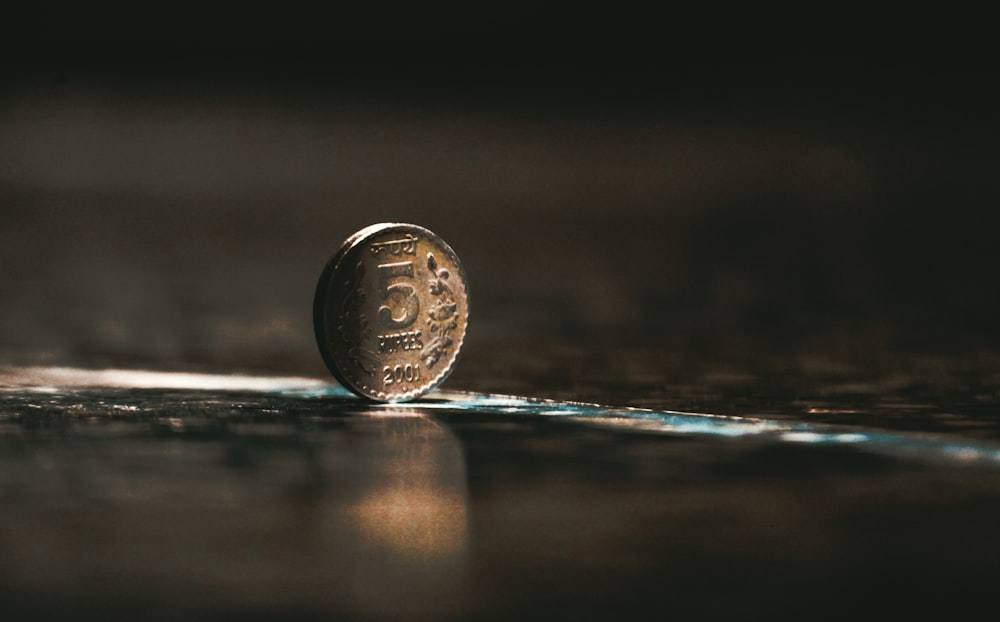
391 312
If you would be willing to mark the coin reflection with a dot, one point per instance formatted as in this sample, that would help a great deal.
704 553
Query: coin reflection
409 515
421 522
416 505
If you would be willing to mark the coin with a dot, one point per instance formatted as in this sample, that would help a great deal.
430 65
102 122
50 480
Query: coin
391 311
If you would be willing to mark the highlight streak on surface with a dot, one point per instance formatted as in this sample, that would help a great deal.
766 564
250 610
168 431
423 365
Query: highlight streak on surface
47 379
908 445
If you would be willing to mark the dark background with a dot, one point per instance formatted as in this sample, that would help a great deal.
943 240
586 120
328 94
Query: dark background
648 203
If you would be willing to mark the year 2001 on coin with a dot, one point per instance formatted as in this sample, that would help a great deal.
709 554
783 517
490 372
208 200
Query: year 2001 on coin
391 312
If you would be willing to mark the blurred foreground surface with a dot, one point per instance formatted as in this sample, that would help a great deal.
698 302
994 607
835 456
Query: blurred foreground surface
805 256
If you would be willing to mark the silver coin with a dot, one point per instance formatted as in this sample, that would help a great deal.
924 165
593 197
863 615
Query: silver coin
391 312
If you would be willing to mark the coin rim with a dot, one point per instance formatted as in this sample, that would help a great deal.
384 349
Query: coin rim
332 268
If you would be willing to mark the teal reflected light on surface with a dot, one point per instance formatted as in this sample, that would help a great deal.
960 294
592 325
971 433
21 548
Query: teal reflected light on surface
912 445
901 444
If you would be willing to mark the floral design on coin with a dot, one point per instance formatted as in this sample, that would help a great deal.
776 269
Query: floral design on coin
441 320
390 326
